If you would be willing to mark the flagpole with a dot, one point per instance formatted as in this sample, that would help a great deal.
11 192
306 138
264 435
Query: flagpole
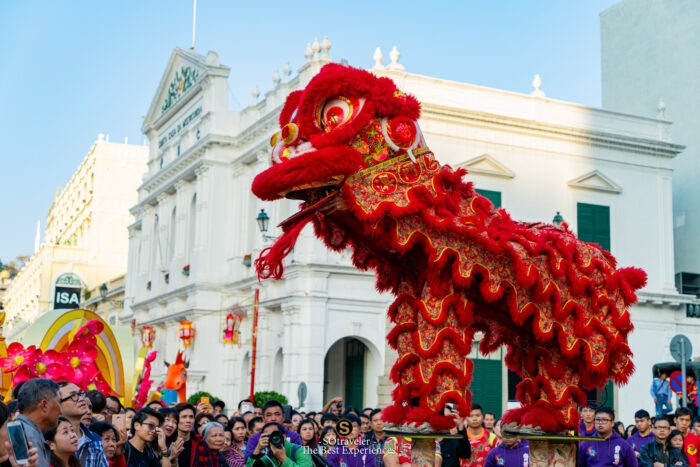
194 23
255 344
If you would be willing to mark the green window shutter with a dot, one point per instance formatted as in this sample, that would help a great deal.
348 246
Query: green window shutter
493 196
486 385
594 224
354 373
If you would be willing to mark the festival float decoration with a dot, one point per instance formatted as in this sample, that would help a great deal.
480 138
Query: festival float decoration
351 149
186 333
232 333
174 389
148 335
76 346
143 382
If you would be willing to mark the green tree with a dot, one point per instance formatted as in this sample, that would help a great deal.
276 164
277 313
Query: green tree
264 396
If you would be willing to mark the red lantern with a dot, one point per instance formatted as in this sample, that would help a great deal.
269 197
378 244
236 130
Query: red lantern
148 335
232 329
186 333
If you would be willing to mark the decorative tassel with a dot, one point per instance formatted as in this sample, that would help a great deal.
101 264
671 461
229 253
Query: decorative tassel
269 263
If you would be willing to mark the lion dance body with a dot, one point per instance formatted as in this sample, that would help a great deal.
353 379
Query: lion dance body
455 265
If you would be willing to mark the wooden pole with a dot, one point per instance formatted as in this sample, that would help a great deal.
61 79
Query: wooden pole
255 344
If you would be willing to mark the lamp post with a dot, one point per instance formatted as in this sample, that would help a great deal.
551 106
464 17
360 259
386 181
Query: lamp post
263 221
558 220
103 291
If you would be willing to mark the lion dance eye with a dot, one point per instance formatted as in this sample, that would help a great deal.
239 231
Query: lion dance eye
337 111
290 134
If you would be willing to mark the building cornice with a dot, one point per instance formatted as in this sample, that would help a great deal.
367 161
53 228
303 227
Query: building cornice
658 298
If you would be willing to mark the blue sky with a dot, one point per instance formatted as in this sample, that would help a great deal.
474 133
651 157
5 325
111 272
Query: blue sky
70 70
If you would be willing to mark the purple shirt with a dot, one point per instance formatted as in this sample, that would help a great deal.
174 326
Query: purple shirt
517 456
637 440
342 456
613 451
582 431
292 437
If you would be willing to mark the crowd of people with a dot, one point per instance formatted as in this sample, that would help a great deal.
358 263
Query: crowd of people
65 426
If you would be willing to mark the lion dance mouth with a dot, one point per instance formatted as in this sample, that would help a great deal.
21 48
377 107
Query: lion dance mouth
455 265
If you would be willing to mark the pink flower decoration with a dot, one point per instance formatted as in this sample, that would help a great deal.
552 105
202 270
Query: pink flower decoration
47 364
21 375
16 356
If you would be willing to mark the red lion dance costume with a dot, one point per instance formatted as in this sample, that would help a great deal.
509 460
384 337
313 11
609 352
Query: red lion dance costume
455 265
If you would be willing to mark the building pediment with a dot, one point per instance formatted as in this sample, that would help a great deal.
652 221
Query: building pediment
181 81
595 180
487 165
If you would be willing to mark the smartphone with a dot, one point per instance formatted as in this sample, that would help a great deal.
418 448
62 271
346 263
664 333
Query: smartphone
19 442
450 406
205 399
246 409
119 420
287 410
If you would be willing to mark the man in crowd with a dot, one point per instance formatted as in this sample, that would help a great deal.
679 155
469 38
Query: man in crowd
146 428
334 406
328 419
657 452
257 410
39 410
643 434
696 426
219 407
74 406
254 426
365 427
272 413
586 426
352 452
481 441
691 442
375 438
112 407
511 452
661 393
613 451
195 450
285 455
489 421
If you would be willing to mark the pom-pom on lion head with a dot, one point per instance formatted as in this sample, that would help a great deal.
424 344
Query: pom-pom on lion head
345 120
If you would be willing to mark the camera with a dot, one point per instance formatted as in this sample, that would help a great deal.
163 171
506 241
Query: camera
277 439
338 405
450 406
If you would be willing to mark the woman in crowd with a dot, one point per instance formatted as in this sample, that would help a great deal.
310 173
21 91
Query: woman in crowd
110 443
128 417
5 461
329 438
202 419
235 454
307 433
675 439
213 434
63 443
176 445
619 428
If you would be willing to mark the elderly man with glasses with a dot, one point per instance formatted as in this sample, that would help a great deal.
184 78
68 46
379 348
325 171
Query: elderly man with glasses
657 453
74 405
612 451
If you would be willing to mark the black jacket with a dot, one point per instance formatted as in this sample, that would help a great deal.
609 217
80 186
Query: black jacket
653 451
454 449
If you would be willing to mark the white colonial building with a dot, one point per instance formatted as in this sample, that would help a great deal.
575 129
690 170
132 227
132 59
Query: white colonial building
608 174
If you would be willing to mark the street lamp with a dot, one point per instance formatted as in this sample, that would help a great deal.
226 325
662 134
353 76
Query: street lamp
103 291
558 220
263 221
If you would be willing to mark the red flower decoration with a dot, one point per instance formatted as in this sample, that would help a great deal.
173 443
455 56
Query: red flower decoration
16 356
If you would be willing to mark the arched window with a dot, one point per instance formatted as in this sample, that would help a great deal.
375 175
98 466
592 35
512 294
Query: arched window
192 227
173 234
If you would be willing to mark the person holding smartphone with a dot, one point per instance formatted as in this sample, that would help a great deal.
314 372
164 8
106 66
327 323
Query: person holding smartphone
39 410
31 459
